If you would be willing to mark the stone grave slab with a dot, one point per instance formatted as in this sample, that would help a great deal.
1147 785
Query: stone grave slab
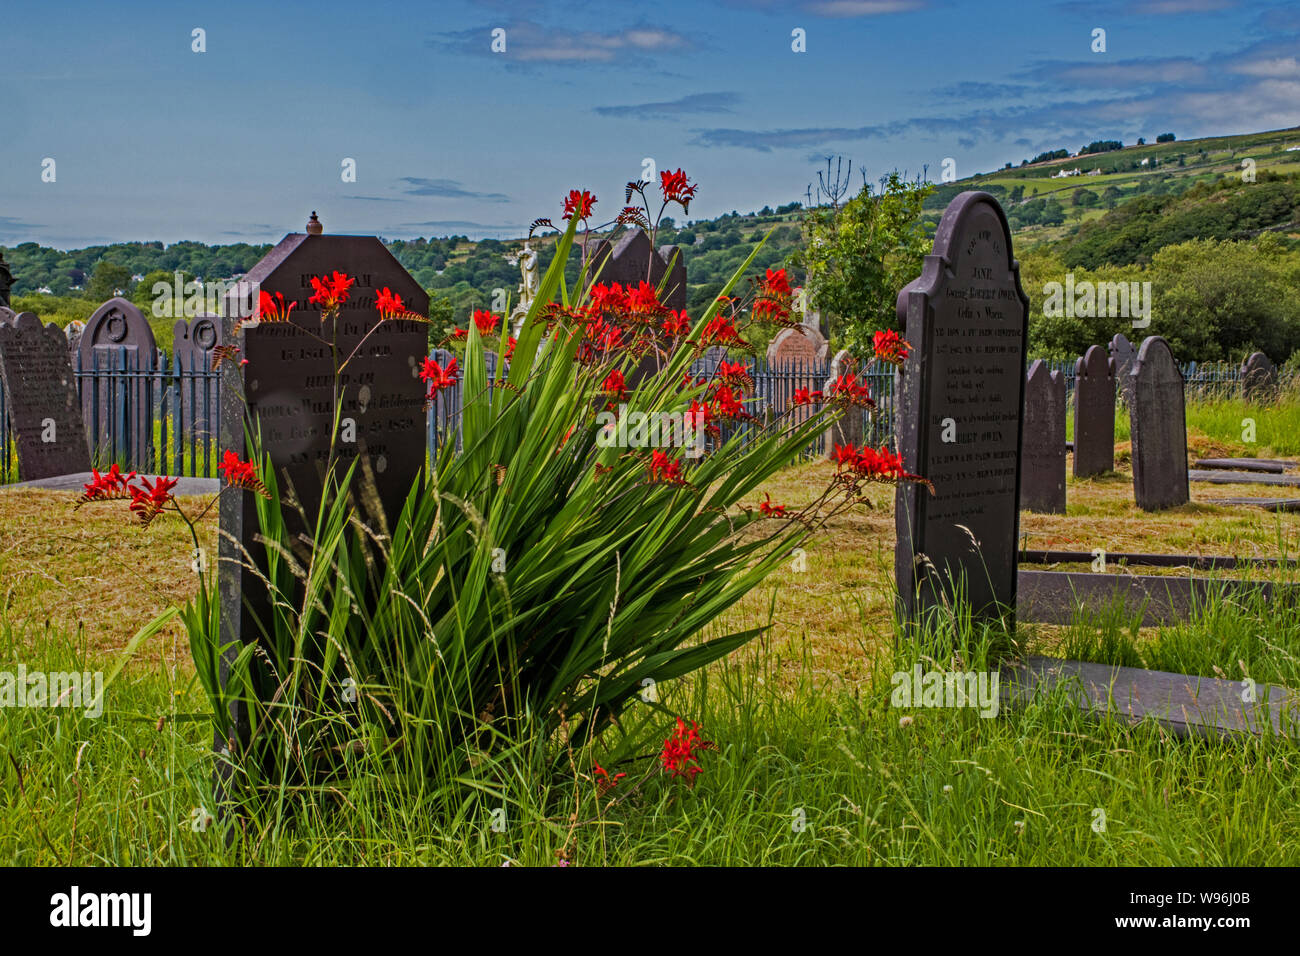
1042 457
116 408
1215 477
1258 378
1159 428
1273 466
41 391
1122 357
1094 414
1269 504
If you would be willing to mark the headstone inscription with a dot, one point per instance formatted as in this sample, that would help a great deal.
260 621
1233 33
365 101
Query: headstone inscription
960 416
1159 429
848 430
1258 378
1094 414
1042 457
41 396
287 389
118 347
1123 356
193 343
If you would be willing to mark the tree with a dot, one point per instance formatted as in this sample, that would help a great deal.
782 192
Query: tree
108 280
1165 138
857 256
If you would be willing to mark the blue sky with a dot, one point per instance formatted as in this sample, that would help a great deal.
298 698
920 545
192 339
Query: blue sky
154 141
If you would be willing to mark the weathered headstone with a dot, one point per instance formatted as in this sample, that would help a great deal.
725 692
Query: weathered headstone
41 397
634 260
1123 356
1258 378
1159 429
848 430
800 345
119 345
289 382
1042 457
966 318
1094 414
193 343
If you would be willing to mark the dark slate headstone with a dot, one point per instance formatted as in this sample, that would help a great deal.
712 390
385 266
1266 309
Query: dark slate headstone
1123 356
289 384
116 407
1159 428
1042 457
1094 414
41 395
1258 378
193 343
966 317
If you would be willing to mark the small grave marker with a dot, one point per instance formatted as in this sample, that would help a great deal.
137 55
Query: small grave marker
1258 378
1159 429
1042 479
1094 414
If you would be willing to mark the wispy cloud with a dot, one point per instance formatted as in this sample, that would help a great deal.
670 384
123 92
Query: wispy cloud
527 41
982 91
694 103
11 227
447 189
459 224
375 198
836 9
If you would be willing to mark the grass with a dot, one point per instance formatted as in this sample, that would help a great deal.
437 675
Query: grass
801 720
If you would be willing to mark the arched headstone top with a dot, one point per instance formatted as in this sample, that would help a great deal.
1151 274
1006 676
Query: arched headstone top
1155 356
1094 364
799 344
1258 376
194 339
1039 375
116 323
972 227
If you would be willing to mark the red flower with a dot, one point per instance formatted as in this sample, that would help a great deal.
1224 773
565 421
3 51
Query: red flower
664 470
609 299
644 300
680 754
734 374
769 509
773 301
272 309
241 474
510 347
437 376
676 188
615 385
149 500
579 203
802 397
389 303
486 322
331 291
459 333
111 484
604 782
848 389
677 323
721 330
890 347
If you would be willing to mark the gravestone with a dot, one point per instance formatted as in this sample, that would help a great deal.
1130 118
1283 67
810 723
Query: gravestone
1094 414
41 397
1123 356
1042 457
802 345
966 317
631 261
289 382
1159 429
1258 378
116 403
193 343
848 430
6 282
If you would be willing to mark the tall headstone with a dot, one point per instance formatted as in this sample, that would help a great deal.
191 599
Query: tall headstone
41 397
1042 457
1258 378
964 380
848 430
634 260
289 387
1123 355
1159 429
193 343
1094 414
118 343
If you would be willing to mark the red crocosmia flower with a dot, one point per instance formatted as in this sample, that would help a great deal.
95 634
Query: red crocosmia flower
890 347
486 322
769 509
615 385
510 348
272 309
726 403
801 397
847 388
331 291
111 484
677 323
609 299
459 333
677 188
844 455
773 301
437 376
721 330
681 751
664 470
644 300
579 203
604 782
776 282
389 303
734 374
241 474
149 500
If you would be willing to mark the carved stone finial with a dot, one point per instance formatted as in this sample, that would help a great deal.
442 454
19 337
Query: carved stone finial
314 227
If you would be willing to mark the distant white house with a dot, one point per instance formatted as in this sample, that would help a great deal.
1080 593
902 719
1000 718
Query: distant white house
1293 149
1094 172
1068 172
44 290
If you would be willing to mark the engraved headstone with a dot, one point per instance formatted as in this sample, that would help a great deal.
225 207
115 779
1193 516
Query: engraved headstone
1094 414
290 385
1258 378
1159 429
193 343
800 345
41 397
966 318
1042 457
116 403
848 430
1123 355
